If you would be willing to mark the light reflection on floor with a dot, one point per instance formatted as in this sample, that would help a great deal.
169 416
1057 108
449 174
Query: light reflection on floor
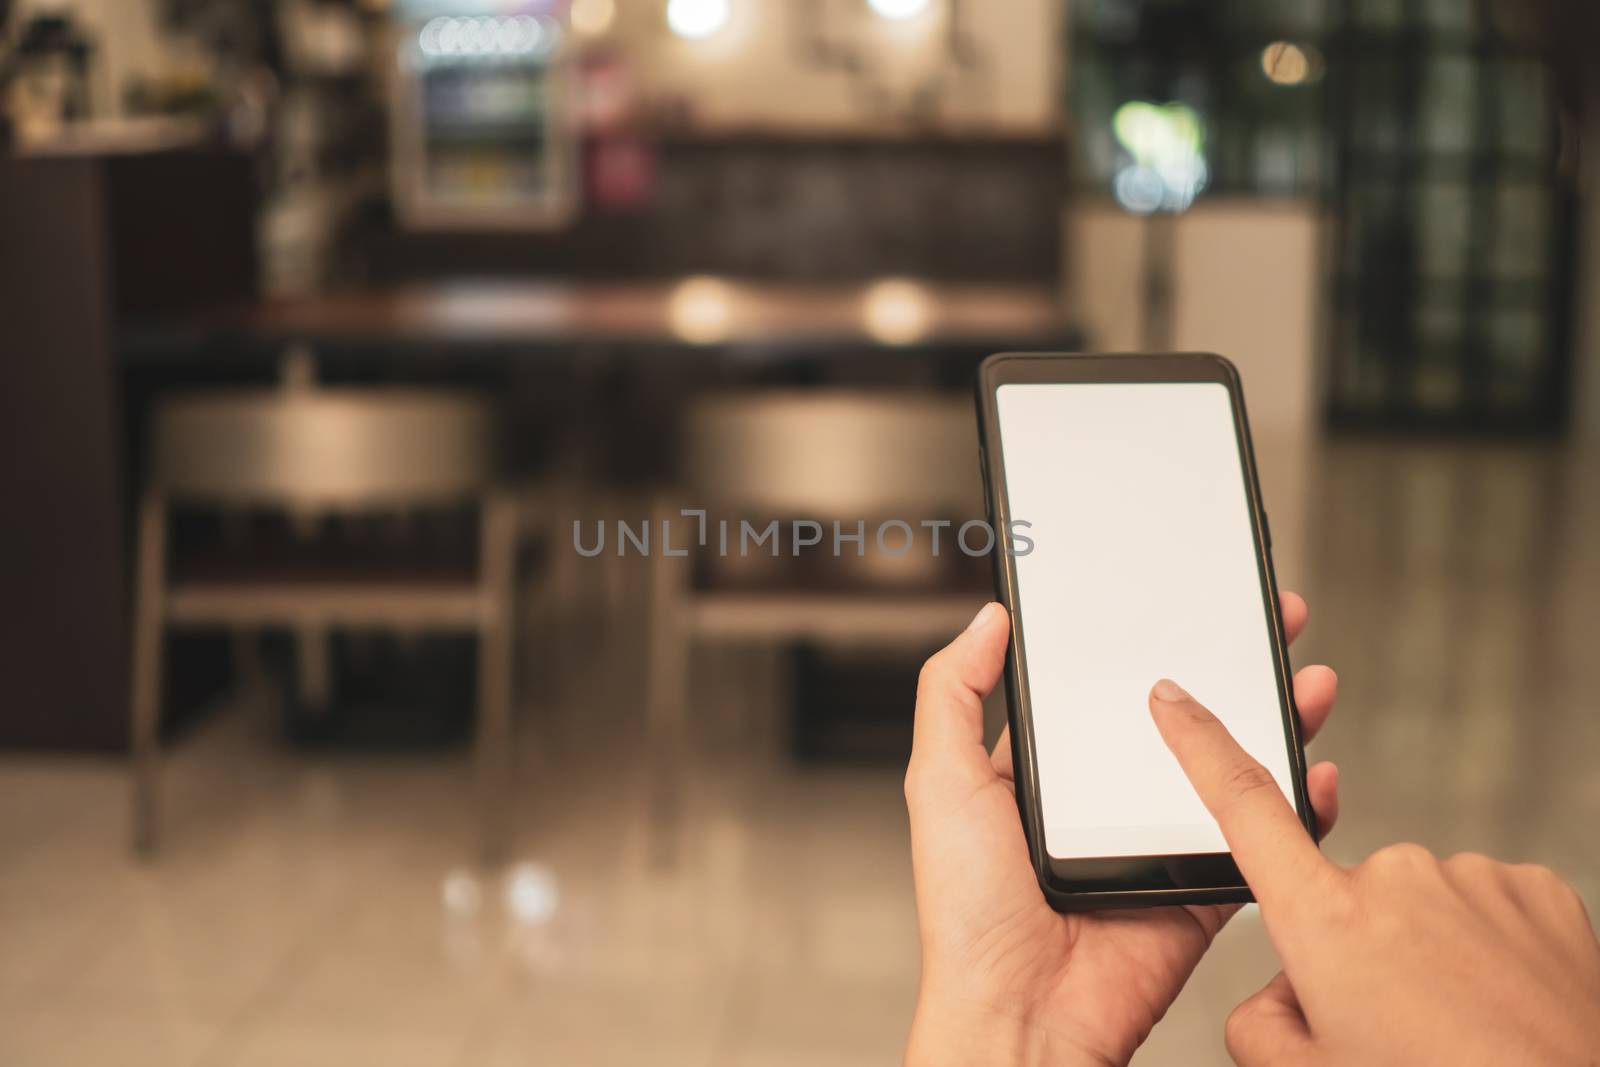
324 910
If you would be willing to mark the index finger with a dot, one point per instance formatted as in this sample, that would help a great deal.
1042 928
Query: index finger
1275 854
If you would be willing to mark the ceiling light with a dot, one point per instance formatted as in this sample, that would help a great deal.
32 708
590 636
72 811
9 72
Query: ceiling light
1287 63
592 18
898 9
697 19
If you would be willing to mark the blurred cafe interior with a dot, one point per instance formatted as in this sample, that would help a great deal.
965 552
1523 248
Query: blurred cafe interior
334 332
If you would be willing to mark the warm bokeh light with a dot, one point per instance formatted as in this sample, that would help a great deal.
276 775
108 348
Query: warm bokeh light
460 894
593 18
531 894
896 311
1286 63
697 19
701 310
898 9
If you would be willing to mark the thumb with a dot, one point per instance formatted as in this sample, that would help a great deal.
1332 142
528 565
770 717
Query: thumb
947 740
1268 1029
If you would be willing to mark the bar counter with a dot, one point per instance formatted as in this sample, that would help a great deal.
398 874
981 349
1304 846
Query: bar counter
699 312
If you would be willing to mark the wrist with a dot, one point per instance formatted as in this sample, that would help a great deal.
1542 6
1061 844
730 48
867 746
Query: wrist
953 1033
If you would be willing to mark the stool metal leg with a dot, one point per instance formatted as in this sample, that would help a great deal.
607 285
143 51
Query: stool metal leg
667 698
148 626
495 742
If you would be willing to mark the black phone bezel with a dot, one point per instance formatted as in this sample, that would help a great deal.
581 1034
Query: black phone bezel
1123 881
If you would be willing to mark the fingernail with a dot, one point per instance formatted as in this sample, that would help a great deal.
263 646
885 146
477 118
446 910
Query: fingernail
981 619
1169 692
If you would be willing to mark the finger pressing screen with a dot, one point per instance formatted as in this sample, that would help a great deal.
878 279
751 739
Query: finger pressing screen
1269 843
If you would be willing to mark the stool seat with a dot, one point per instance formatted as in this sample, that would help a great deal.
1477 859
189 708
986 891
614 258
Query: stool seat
865 616
438 604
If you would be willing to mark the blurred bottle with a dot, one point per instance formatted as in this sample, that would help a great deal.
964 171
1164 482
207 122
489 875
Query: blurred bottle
620 162
48 78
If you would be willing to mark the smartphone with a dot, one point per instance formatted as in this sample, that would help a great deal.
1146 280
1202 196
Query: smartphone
1130 485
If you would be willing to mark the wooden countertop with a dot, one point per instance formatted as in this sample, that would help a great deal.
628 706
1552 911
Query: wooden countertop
698 311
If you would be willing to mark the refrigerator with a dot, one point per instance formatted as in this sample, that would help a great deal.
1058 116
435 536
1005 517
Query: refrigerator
483 116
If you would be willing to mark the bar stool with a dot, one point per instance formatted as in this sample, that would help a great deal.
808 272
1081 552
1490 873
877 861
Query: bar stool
316 451
821 455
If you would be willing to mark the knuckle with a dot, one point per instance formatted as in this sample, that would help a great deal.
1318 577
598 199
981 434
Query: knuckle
1196 714
1246 778
1404 853
1473 874
1549 884
939 674
1236 1030
1237 1022
1538 875
1404 857
1568 897
1473 864
1576 906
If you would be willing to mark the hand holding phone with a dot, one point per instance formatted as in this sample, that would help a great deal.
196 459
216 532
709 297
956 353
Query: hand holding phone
1404 959
1006 979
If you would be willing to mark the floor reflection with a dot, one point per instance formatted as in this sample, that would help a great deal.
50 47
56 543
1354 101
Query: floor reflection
318 910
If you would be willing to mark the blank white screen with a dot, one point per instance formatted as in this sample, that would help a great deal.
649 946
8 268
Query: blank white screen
1144 567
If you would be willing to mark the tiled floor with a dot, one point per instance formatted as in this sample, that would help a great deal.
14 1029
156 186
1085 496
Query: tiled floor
323 910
